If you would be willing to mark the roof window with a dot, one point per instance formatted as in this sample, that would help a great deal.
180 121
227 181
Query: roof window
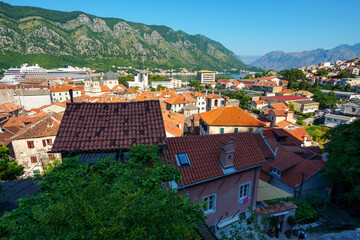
182 159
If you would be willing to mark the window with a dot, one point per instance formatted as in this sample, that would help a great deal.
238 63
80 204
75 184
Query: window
60 99
211 204
59 94
244 191
51 156
221 130
33 159
30 144
236 130
276 172
182 159
54 94
47 142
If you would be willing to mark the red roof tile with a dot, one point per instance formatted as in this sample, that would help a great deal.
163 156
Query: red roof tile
275 208
229 116
110 126
204 153
288 98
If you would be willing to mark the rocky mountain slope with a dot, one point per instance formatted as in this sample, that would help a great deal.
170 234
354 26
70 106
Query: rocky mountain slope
54 38
278 60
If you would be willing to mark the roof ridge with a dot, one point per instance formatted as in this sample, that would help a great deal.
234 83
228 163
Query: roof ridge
223 108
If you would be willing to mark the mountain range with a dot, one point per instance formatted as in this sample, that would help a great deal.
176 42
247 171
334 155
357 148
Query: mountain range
278 60
54 38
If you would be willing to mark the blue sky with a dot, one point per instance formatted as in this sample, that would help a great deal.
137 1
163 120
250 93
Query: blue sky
247 27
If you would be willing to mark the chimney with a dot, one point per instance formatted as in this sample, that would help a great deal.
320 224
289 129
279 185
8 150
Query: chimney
290 116
226 101
227 151
71 95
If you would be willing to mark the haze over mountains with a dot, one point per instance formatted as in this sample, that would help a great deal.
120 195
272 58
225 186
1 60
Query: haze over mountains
55 38
278 60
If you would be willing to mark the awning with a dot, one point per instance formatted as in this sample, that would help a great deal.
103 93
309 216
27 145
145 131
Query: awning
269 192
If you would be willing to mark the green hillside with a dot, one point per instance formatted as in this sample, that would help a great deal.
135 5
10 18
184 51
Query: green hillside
54 38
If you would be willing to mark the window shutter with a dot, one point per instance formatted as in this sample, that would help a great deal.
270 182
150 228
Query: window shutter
50 141
28 143
44 142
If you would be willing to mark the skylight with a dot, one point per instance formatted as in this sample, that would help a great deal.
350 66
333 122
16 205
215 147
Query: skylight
182 159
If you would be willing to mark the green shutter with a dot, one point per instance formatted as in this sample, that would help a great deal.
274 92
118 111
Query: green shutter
221 130
236 130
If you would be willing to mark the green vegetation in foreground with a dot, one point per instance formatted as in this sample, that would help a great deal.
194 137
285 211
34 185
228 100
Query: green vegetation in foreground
106 200
343 162
318 133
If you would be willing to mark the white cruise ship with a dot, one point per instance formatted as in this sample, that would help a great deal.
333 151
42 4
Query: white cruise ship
14 75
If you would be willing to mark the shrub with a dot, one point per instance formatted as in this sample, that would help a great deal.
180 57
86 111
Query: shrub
256 111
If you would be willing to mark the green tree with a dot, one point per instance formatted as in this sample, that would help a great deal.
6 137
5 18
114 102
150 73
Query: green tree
244 100
343 164
345 74
106 200
325 100
9 170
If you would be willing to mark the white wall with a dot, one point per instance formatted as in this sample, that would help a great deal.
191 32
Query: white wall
29 102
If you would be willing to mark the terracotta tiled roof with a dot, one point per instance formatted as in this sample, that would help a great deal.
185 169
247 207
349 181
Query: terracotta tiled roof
298 132
284 124
292 165
7 133
20 121
204 153
175 100
213 96
278 112
47 125
229 116
104 88
64 88
261 102
9 107
173 121
275 208
198 94
110 126
279 106
275 133
288 98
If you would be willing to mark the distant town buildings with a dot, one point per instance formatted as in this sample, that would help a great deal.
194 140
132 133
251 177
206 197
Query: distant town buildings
140 80
205 76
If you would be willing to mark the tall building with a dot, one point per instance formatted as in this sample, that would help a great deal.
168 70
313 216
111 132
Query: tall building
140 80
206 77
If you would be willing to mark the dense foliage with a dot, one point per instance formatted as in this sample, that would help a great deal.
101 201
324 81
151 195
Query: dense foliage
318 133
343 164
107 200
292 75
9 170
241 96
325 100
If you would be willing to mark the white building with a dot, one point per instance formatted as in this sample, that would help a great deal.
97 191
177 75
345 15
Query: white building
332 120
61 93
140 80
32 144
30 98
169 83
110 80
206 77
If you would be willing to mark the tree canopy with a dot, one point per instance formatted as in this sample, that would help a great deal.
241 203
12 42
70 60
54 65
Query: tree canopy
343 164
9 170
241 96
326 100
106 200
